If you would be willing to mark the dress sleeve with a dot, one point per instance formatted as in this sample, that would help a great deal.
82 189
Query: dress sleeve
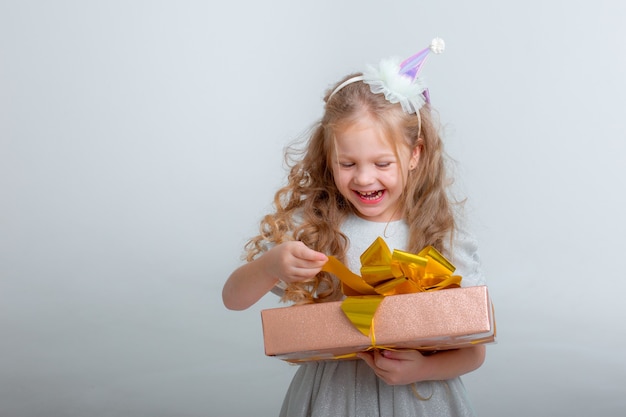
467 260
279 288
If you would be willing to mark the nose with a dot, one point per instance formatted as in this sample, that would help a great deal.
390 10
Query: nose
364 175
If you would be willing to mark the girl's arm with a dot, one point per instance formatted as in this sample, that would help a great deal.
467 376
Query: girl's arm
288 262
407 366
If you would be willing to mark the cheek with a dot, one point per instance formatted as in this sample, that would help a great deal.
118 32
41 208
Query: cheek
337 178
398 178
341 180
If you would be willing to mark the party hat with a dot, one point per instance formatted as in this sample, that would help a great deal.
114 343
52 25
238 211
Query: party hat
399 81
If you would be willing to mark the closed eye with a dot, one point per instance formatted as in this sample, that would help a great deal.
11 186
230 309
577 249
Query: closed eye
383 164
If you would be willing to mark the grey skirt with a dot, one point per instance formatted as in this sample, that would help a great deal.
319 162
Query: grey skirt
351 388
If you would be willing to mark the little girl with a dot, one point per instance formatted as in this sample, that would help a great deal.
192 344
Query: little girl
374 166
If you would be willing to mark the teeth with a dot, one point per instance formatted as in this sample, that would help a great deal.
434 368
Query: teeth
371 194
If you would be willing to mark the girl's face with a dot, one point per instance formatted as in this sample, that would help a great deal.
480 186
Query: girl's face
367 171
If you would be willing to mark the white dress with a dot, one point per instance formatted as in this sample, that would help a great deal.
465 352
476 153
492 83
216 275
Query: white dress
350 387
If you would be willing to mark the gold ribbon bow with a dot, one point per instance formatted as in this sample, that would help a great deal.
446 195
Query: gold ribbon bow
385 273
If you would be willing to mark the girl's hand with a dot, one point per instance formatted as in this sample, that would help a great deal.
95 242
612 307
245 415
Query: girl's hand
294 262
289 262
401 367
397 367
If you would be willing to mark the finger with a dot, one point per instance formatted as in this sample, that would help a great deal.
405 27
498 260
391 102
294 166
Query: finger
374 359
367 358
305 253
304 270
401 355
305 273
393 354
380 360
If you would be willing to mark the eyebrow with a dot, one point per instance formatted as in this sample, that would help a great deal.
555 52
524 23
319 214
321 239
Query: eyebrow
376 157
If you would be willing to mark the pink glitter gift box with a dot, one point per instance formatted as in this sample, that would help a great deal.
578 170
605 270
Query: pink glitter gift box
428 321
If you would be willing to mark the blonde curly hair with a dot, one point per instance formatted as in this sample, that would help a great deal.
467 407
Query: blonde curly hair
311 209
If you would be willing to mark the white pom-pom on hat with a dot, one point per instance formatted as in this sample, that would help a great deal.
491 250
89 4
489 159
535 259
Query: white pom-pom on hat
437 45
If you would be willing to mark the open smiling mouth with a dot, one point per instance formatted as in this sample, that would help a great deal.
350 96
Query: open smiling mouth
370 195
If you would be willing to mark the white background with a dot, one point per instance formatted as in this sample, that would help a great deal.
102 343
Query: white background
141 141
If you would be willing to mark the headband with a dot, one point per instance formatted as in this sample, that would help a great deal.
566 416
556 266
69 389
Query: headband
399 81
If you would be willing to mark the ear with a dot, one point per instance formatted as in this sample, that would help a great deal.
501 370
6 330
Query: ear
415 156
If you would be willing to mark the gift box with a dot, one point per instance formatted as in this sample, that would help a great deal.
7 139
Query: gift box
428 321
